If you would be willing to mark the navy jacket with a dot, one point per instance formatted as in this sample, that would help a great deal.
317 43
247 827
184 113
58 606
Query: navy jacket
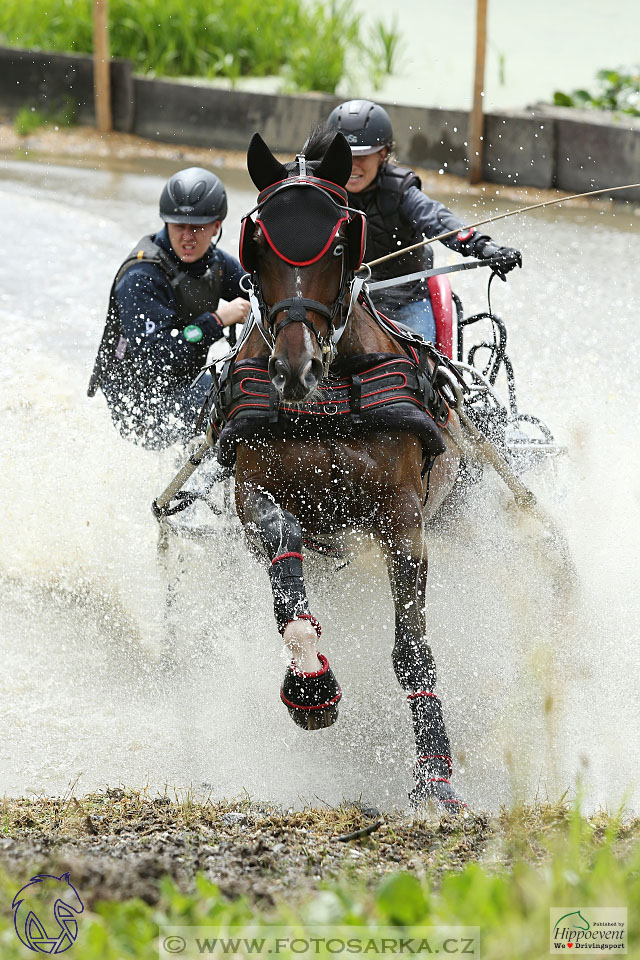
147 308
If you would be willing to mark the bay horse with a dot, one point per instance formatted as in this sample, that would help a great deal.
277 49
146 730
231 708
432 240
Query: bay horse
335 420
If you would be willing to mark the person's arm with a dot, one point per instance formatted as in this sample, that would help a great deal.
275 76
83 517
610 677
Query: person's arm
147 309
431 218
237 306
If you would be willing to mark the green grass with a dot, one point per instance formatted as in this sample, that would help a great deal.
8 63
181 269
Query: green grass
556 859
306 40
29 119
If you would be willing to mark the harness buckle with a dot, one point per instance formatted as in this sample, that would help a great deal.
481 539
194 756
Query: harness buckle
355 396
274 403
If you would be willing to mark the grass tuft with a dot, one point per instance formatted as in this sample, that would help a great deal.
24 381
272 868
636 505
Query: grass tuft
275 867
29 119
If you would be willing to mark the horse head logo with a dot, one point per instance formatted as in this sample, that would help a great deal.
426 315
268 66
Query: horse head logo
578 924
44 913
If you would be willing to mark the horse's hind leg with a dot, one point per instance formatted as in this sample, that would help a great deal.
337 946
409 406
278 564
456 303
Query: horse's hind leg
310 690
415 669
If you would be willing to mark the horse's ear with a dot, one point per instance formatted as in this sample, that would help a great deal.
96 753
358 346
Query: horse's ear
263 167
336 163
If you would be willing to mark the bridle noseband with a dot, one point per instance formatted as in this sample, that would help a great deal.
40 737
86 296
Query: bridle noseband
296 308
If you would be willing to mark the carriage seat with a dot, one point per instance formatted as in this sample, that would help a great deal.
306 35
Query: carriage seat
442 304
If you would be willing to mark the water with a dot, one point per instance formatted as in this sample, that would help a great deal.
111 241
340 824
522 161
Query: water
538 691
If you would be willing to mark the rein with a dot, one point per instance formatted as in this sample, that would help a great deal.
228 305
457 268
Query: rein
500 216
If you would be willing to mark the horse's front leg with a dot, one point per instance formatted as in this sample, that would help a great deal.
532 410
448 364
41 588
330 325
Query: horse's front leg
415 669
310 689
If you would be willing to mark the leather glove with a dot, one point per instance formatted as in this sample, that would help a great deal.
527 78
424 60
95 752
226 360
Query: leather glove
505 258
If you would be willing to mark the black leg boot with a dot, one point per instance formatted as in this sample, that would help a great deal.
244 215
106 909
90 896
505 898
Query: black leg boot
433 767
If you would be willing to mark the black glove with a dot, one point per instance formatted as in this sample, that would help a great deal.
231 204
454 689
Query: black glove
504 258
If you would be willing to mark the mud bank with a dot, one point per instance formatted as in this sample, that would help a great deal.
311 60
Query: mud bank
118 844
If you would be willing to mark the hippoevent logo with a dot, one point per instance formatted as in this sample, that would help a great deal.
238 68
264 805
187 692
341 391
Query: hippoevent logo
602 931
44 913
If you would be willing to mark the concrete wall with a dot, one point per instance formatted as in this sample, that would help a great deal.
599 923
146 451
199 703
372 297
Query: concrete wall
31 78
542 147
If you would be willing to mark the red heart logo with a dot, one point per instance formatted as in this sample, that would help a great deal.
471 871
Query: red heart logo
569 944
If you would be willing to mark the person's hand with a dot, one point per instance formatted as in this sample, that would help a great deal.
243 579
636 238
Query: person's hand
504 258
235 311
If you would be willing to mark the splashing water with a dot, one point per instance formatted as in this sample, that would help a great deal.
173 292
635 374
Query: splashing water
539 686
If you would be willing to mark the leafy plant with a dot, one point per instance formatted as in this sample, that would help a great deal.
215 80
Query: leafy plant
29 119
618 90
382 51
386 44
306 40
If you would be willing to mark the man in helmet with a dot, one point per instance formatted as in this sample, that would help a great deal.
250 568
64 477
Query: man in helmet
400 214
164 314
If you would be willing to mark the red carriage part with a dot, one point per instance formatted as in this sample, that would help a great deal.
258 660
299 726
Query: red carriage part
442 303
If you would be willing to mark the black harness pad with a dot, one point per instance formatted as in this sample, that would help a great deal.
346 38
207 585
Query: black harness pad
369 393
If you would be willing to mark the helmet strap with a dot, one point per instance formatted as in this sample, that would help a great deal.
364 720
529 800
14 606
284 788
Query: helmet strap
214 242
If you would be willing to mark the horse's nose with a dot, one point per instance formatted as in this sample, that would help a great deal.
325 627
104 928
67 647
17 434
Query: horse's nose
279 373
312 374
294 384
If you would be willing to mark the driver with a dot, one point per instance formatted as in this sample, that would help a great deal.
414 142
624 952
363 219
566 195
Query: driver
164 314
400 214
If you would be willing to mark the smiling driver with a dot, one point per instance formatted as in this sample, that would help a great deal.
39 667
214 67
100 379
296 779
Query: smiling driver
399 214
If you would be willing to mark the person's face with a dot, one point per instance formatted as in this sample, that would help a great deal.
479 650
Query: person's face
365 170
190 241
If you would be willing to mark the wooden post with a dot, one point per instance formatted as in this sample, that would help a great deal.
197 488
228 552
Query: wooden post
101 65
476 120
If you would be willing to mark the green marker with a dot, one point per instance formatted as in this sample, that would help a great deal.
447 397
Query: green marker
192 333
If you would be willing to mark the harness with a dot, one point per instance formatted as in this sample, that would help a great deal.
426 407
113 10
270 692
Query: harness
357 395
193 295
360 395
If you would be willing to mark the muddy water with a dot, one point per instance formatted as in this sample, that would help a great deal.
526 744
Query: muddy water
540 687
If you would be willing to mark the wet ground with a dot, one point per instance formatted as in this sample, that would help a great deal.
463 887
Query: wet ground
119 844
538 694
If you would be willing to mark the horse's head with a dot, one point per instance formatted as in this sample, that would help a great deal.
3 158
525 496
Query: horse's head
301 251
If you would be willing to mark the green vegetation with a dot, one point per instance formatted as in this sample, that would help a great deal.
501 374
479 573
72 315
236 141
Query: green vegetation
384 49
618 90
536 858
29 119
306 41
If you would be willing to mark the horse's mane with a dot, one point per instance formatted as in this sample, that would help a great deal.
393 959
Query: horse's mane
314 149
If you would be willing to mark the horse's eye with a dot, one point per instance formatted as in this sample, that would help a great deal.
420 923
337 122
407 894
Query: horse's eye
338 250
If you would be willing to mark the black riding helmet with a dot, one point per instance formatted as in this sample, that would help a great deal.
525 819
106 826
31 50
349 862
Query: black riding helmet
194 195
365 125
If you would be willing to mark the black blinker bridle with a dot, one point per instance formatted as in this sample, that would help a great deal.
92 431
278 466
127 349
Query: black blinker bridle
296 307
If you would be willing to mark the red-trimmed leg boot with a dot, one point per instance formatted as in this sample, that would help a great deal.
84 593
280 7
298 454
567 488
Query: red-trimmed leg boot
433 768
312 698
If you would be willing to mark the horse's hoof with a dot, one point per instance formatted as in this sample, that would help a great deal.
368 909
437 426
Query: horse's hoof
312 698
439 792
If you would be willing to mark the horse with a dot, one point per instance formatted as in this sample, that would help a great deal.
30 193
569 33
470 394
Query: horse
336 417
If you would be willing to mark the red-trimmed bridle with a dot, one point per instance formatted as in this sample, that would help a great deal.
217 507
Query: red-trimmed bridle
296 307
